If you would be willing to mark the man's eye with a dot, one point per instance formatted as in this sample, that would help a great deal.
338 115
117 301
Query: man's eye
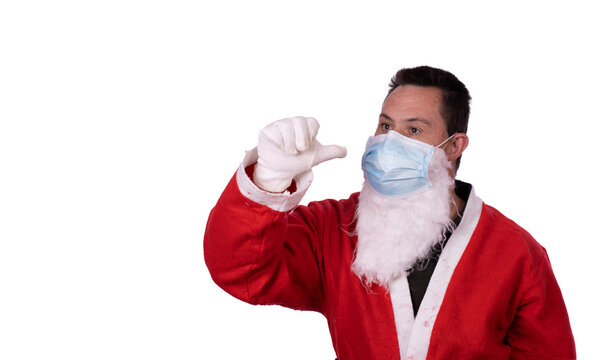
415 130
385 126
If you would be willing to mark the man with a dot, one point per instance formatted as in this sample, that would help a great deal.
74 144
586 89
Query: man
415 266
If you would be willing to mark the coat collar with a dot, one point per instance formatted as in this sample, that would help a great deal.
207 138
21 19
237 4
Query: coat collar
414 333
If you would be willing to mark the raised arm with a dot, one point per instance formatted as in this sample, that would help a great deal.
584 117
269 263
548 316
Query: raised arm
256 247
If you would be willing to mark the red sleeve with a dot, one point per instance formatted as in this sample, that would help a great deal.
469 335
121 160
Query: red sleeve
541 328
263 256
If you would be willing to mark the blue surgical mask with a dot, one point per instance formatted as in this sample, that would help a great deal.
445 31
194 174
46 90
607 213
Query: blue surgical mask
397 166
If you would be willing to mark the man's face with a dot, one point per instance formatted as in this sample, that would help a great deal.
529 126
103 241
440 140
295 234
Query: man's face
414 111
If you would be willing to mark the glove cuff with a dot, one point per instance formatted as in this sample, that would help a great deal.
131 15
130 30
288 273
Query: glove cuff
284 201
270 180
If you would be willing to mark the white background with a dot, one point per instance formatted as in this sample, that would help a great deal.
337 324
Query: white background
122 121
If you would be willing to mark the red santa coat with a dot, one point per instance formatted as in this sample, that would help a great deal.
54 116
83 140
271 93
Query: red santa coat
492 295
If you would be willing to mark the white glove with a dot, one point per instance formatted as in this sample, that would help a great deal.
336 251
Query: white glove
287 148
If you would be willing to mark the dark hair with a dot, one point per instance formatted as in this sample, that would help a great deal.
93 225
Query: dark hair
455 108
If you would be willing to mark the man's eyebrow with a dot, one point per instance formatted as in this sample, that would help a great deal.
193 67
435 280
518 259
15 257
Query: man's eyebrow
386 116
424 121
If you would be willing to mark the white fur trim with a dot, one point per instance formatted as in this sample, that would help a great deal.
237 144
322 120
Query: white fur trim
404 312
418 332
285 201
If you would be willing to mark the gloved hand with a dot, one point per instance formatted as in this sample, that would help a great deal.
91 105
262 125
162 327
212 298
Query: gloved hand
287 148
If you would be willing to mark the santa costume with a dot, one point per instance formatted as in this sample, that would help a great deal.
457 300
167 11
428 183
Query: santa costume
492 294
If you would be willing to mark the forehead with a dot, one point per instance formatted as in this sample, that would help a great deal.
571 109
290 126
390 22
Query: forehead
410 101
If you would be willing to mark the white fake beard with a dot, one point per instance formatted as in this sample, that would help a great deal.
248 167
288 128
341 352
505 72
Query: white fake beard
393 234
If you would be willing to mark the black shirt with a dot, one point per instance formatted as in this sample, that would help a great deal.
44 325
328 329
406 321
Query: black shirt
420 274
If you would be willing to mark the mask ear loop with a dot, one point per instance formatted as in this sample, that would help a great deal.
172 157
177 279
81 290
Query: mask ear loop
445 141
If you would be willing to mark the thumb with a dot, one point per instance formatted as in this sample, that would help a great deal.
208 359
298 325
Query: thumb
328 152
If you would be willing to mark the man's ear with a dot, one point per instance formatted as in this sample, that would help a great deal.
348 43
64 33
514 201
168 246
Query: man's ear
456 146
